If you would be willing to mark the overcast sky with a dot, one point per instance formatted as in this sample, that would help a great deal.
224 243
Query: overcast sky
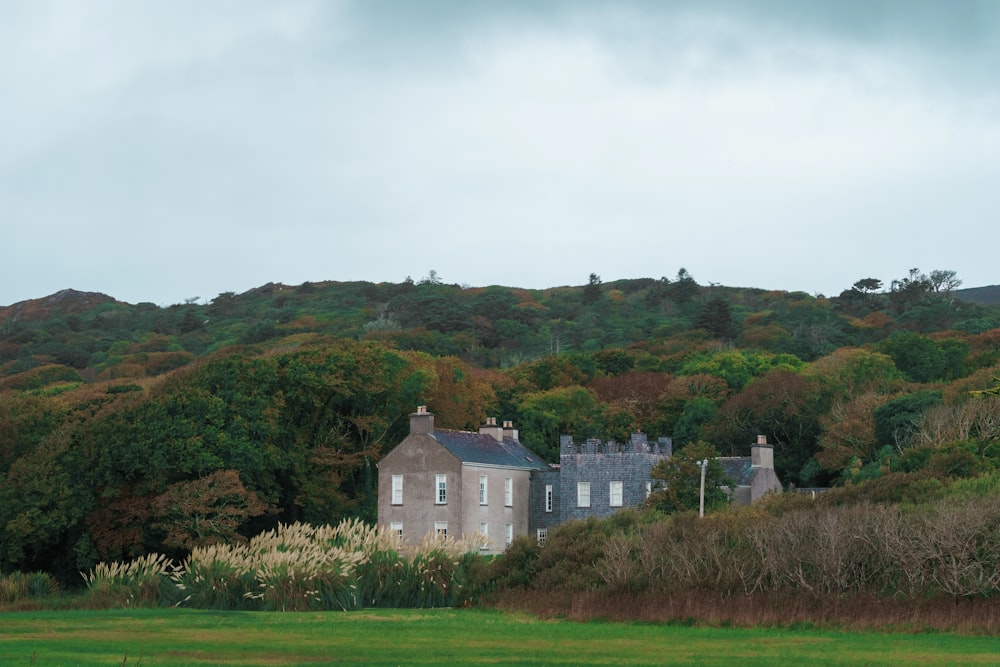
161 151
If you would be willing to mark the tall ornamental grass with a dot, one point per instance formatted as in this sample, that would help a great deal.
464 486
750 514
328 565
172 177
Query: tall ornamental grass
138 583
299 567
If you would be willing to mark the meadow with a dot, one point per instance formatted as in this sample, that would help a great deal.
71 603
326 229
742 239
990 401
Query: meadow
151 637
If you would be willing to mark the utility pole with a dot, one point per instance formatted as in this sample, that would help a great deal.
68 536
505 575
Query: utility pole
703 464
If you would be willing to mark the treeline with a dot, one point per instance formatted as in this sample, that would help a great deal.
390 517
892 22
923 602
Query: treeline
207 454
83 337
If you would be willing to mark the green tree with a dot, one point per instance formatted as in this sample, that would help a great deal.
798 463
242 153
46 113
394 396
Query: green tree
923 359
546 415
716 317
683 289
697 412
899 419
592 290
679 480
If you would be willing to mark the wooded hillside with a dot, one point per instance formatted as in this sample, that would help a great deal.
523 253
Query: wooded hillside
130 428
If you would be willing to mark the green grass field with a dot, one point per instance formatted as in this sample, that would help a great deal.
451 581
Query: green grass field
451 637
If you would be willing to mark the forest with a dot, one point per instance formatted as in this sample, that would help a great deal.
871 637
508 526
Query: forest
130 429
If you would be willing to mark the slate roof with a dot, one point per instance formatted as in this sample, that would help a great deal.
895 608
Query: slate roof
738 469
486 450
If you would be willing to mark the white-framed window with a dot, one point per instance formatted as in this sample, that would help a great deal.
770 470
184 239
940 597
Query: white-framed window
583 494
548 497
615 494
542 534
508 534
441 529
483 489
397 489
649 489
441 483
397 528
508 491
484 530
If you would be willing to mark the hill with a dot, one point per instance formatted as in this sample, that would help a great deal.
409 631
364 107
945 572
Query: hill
131 428
987 296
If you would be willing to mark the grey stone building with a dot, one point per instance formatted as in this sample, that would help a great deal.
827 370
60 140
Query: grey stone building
594 479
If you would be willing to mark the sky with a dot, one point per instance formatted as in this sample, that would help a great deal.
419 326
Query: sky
171 151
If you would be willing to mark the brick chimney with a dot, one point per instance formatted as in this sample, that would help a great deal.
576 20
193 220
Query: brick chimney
421 421
491 428
509 432
761 453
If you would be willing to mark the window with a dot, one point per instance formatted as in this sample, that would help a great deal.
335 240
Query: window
615 494
542 534
509 537
442 489
548 497
508 491
397 489
649 489
482 489
441 529
484 530
583 494
396 527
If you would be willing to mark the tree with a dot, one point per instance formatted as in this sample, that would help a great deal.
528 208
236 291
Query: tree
592 290
781 404
546 415
867 286
205 511
697 412
910 291
923 359
679 478
943 282
716 317
684 288
898 420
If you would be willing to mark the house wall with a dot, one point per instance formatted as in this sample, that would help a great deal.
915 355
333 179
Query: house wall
538 516
600 464
764 481
419 458
496 513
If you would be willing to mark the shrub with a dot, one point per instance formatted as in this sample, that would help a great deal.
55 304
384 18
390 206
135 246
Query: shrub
142 582
567 561
13 587
516 567
41 585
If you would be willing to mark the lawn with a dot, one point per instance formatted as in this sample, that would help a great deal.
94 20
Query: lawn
443 636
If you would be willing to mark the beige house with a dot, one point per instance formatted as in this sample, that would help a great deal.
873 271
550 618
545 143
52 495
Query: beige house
457 483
